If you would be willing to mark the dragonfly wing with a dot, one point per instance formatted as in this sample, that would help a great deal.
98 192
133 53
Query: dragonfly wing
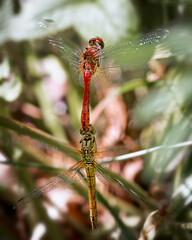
136 52
65 49
70 53
68 177
62 47
104 175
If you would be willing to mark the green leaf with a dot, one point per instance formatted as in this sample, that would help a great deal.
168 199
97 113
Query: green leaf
10 84
39 135
88 18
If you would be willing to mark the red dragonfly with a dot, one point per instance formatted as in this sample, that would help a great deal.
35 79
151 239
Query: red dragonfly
94 57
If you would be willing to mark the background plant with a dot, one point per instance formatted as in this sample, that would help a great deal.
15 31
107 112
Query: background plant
152 108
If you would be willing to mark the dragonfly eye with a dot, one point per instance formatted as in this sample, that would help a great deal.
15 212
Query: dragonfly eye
96 41
100 42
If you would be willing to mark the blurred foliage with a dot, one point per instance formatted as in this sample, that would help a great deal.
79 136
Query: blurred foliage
153 100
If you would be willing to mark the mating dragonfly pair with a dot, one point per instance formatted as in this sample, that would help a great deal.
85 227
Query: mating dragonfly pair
88 63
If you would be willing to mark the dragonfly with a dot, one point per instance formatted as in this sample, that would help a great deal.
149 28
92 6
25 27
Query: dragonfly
87 161
95 58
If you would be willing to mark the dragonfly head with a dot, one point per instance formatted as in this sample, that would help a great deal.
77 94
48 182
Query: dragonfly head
96 41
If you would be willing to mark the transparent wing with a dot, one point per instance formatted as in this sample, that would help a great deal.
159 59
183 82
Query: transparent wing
66 50
70 53
68 177
135 52
61 46
104 175
153 38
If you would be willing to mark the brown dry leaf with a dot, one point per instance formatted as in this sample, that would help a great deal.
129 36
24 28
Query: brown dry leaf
153 222
132 168
158 71
55 78
75 210
116 121
31 110
131 144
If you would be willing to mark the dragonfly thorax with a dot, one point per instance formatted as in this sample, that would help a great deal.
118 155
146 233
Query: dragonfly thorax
88 150
88 143
91 57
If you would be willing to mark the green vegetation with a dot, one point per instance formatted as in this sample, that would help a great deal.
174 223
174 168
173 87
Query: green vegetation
143 118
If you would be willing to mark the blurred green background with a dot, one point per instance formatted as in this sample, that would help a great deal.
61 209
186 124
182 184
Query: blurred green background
144 103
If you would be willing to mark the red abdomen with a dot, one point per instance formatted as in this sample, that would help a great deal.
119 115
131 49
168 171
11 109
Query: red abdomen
85 109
